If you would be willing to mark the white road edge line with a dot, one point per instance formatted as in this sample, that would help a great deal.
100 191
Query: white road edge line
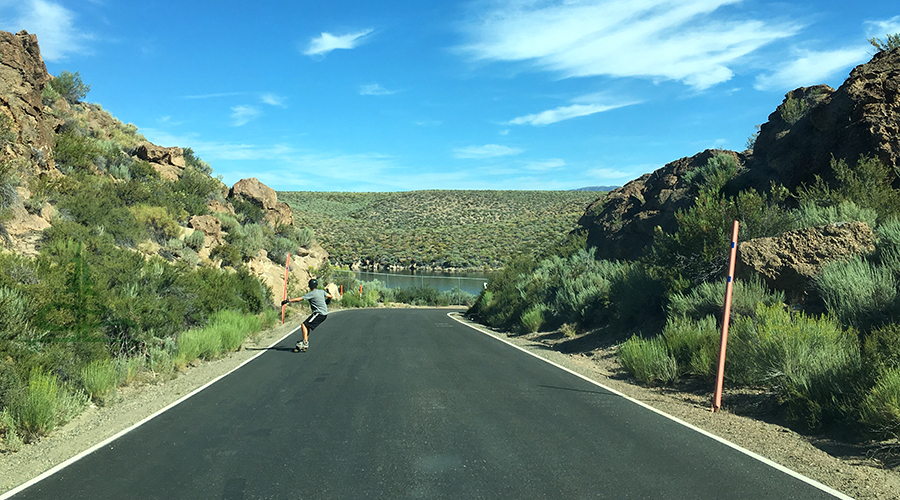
108 440
745 451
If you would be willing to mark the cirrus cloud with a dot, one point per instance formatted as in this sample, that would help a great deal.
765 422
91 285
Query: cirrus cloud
326 42
654 39
484 152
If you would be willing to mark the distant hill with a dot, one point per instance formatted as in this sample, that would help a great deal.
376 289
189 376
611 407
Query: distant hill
437 229
597 188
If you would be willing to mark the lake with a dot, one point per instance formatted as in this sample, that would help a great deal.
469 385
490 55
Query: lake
472 283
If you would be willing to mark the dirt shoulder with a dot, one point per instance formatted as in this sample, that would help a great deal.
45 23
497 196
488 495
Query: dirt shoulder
841 466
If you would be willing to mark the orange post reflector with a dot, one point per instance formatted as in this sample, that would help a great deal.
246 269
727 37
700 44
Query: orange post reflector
726 318
287 268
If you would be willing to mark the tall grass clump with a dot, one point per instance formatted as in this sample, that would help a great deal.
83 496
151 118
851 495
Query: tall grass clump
647 360
37 413
694 344
813 363
234 327
859 293
100 378
880 409
708 298
811 214
533 318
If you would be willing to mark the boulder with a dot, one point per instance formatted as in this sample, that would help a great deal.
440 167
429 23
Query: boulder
169 162
621 224
211 228
264 197
789 262
217 207
281 215
255 192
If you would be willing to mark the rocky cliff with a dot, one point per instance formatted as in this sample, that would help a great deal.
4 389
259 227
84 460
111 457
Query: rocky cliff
797 143
30 127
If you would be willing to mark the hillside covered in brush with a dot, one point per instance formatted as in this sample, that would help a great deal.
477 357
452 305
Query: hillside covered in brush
437 229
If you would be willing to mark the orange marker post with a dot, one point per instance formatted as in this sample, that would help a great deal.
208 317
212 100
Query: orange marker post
726 317
287 267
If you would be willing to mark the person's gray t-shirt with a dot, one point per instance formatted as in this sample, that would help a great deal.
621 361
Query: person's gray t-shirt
316 300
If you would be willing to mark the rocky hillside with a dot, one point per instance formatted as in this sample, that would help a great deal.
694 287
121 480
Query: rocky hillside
48 140
796 144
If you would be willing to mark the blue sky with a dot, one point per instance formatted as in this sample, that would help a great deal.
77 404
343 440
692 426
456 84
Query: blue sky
403 95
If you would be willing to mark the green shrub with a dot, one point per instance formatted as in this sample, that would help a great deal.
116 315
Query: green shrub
635 296
812 362
694 344
230 255
129 367
8 427
698 251
890 42
277 249
887 248
647 360
195 240
791 110
268 318
718 170
881 349
160 361
100 378
533 318
70 86
859 293
161 224
868 184
709 299
881 407
811 214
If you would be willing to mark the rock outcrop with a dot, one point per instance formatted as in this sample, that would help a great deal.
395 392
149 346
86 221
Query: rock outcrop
23 76
861 117
253 191
790 261
797 143
169 162
621 224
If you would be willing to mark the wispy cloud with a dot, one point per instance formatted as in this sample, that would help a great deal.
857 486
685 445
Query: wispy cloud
545 165
214 95
51 22
243 114
484 152
884 27
326 42
811 68
656 39
273 99
375 89
565 113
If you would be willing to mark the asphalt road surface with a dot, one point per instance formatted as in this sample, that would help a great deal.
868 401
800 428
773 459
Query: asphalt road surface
408 403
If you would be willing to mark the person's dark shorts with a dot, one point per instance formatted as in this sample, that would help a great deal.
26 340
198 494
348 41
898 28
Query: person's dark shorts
314 320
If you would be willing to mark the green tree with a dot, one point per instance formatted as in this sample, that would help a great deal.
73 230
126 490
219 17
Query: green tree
70 87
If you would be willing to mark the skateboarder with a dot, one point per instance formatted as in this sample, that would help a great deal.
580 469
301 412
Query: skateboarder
318 302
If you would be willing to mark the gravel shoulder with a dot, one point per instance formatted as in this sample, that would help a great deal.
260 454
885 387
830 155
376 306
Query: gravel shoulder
743 419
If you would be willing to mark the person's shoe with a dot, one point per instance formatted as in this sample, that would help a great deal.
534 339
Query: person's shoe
304 346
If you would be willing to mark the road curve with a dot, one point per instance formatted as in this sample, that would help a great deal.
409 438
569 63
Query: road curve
407 403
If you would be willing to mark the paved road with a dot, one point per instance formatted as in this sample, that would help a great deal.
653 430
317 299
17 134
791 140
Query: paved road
408 403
